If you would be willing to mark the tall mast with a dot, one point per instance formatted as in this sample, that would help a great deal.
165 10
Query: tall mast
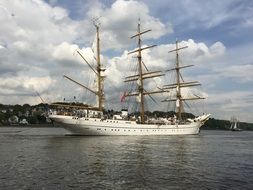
140 88
180 83
178 89
99 78
141 76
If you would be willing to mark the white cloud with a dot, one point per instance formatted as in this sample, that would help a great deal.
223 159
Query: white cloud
118 26
64 51
208 14
2 47
34 37
24 85
158 59
238 73
226 104
39 42
217 49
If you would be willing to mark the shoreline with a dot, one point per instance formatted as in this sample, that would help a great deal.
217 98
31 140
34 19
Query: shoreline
50 125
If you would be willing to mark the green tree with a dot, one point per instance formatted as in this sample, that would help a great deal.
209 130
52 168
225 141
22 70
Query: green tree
33 120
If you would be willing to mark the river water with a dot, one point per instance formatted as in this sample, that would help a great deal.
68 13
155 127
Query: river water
44 158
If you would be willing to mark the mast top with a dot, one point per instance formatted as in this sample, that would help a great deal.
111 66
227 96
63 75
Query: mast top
96 22
177 48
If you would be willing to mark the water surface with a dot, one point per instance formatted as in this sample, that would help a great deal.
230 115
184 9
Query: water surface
44 158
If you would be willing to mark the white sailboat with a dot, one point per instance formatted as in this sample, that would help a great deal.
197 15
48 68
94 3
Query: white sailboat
234 124
91 121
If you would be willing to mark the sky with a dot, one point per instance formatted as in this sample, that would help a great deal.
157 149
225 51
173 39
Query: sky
39 40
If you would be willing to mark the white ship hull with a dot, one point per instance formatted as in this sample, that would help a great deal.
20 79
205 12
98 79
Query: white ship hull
96 126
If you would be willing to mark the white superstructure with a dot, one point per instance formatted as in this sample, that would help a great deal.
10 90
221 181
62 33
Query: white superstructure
97 126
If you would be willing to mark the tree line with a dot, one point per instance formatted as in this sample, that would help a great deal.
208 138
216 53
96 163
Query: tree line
37 114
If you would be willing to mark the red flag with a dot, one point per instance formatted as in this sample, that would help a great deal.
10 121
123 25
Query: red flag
123 97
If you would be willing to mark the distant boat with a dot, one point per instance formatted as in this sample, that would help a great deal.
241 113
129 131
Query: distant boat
93 122
234 124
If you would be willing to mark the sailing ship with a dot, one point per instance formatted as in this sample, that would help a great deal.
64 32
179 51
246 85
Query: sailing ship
91 121
234 124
